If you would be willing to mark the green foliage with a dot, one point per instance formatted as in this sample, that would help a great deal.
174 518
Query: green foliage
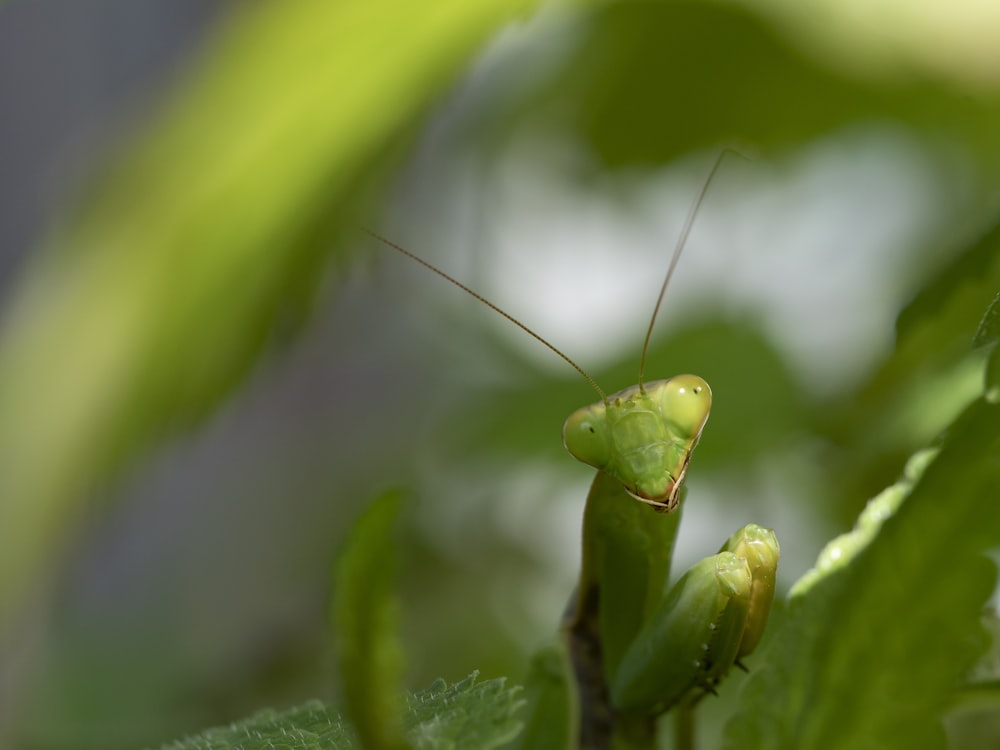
988 332
208 237
464 714
547 700
876 642
309 727
215 233
379 716
647 64
364 620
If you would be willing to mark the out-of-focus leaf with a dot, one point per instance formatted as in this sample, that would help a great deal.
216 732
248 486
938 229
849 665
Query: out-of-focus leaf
654 80
989 327
547 698
930 377
853 684
993 376
952 303
153 302
464 714
941 42
988 334
363 615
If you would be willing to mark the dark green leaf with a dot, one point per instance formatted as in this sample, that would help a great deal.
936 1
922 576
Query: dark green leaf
989 327
993 376
952 302
876 642
655 80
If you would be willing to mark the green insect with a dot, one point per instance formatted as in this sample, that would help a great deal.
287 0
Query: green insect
644 435
634 647
710 619
759 547
691 641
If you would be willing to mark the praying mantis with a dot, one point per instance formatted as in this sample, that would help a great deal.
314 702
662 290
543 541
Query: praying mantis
635 648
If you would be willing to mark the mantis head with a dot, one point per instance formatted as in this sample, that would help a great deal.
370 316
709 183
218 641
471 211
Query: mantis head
643 436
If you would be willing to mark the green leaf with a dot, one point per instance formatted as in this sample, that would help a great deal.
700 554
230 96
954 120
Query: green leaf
875 644
944 315
929 379
464 715
988 334
993 376
206 239
307 727
363 614
989 327
548 702
754 64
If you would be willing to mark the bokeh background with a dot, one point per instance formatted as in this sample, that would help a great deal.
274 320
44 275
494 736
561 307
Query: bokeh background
207 367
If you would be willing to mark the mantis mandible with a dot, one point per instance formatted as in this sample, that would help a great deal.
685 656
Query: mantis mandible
635 648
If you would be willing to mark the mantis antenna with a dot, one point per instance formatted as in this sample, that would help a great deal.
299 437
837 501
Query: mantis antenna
490 305
688 223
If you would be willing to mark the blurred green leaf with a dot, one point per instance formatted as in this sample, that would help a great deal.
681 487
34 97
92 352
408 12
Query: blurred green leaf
208 236
363 615
992 384
872 651
654 80
547 699
929 378
989 327
944 314
210 239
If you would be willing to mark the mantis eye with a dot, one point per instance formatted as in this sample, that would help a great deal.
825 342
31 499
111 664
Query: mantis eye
686 401
585 436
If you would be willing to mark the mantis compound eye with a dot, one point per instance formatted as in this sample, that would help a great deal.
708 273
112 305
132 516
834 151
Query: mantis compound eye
585 436
685 401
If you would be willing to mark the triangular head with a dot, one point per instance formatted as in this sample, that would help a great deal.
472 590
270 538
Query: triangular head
643 436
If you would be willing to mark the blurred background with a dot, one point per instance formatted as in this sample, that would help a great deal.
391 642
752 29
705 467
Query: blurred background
207 368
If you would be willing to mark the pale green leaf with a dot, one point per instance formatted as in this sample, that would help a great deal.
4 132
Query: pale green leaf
466 715
211 232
